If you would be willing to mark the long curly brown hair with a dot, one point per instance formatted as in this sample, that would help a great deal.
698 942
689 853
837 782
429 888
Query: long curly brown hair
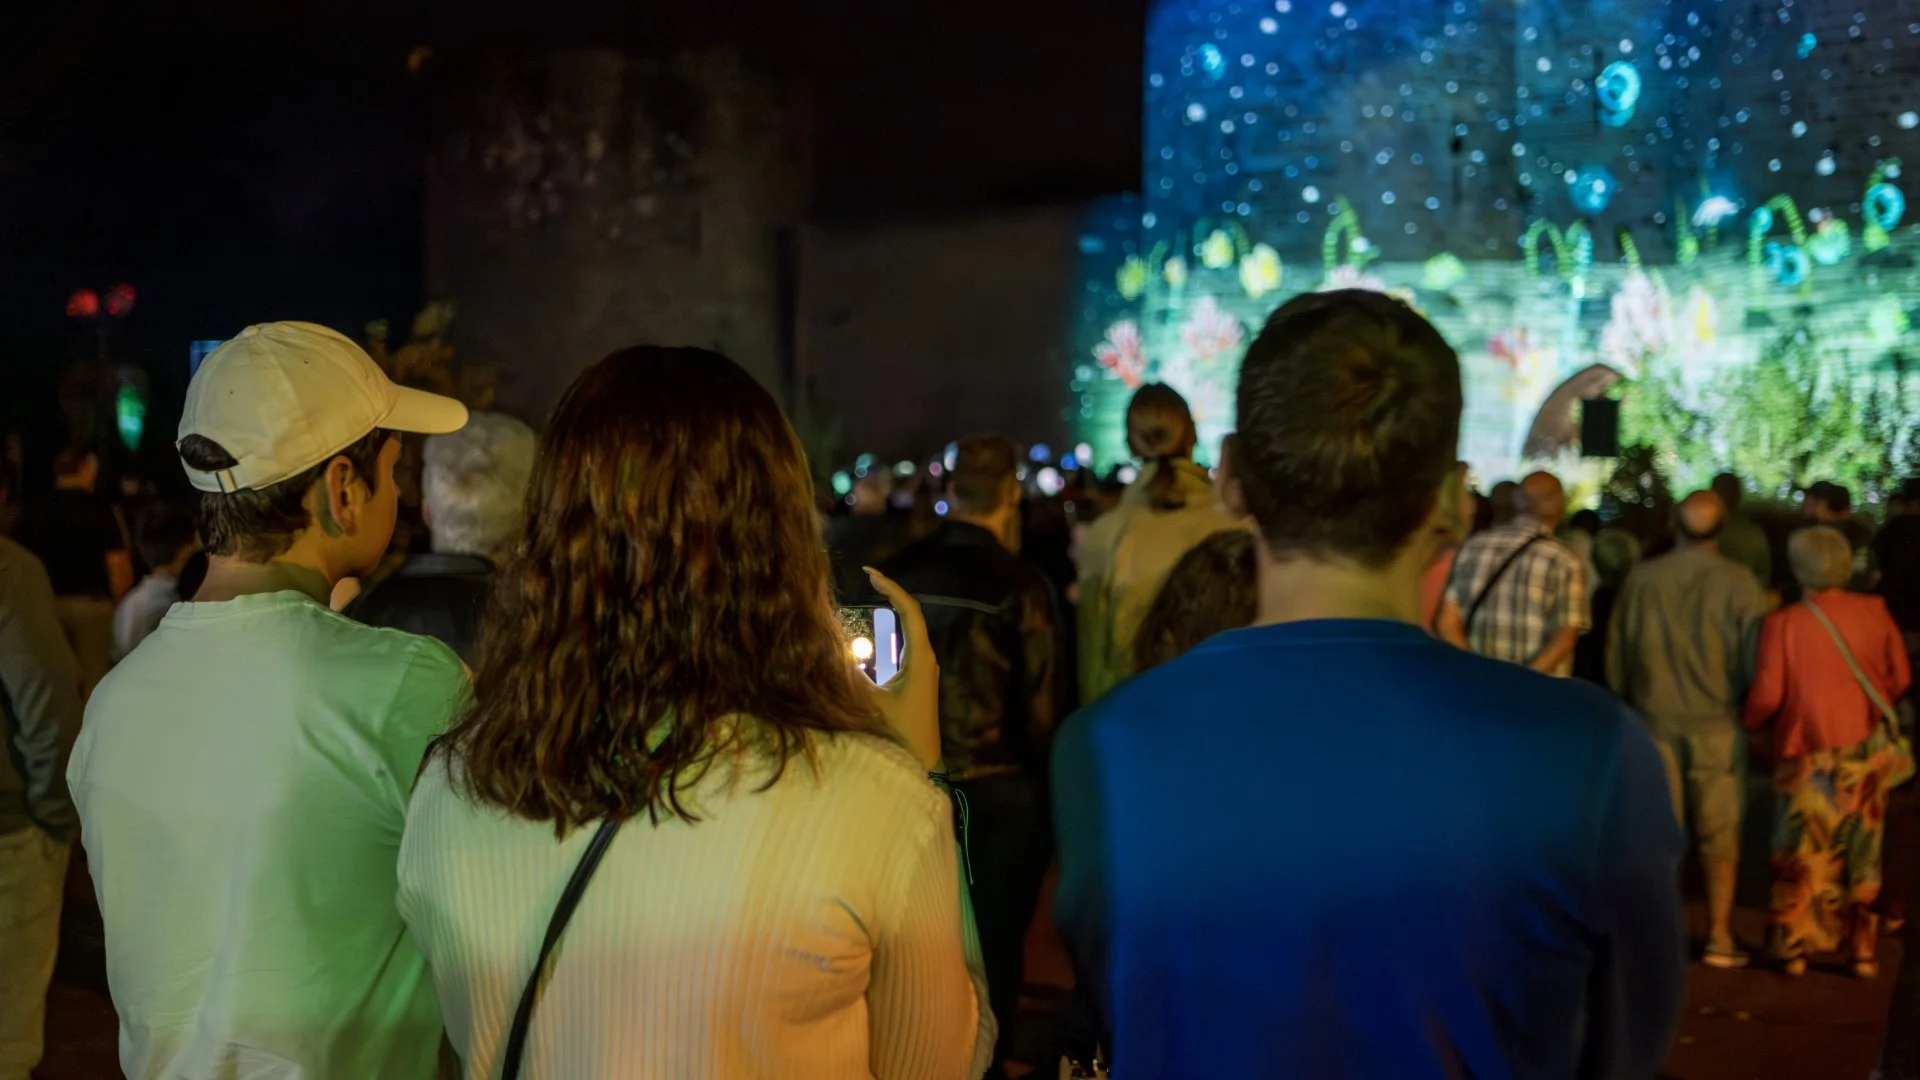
666 606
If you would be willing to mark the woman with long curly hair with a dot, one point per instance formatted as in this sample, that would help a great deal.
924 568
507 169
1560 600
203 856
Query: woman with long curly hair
784 897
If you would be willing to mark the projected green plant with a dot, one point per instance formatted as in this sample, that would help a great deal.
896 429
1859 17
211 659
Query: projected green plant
1788 421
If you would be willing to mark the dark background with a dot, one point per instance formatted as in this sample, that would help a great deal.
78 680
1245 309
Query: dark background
238 162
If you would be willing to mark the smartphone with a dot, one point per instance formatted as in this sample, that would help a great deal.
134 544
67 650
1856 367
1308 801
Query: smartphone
873 640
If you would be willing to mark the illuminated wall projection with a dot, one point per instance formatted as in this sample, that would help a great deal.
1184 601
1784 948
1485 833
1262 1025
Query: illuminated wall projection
1695 206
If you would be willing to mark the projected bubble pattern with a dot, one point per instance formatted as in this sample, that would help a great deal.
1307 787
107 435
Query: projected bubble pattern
1683 192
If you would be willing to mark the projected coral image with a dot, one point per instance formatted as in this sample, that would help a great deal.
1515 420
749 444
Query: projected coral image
1694 206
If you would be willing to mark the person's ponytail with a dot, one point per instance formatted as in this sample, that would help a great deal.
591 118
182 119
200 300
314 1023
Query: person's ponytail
1163 489
1161 434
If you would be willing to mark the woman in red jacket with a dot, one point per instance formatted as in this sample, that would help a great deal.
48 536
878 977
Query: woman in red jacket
1834 753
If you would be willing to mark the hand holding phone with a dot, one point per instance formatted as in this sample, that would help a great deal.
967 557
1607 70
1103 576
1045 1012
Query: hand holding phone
910 701
873 637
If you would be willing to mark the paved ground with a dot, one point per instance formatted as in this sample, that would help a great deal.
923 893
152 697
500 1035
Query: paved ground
1738 1025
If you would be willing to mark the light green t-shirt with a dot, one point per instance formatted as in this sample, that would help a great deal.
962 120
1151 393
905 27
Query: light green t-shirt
242 780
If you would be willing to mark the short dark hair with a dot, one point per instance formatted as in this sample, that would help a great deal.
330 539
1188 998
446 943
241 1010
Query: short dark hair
258 524
982 465
161 532
1348 422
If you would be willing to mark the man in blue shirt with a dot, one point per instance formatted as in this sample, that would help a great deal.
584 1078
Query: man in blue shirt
1332 846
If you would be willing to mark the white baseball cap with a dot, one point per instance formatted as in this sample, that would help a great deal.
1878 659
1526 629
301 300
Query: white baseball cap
283 397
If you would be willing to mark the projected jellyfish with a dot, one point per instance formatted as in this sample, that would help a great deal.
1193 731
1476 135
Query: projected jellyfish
1592 188
1617 91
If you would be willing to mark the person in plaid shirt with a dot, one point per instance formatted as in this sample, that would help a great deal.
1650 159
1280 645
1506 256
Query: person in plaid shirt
1517 594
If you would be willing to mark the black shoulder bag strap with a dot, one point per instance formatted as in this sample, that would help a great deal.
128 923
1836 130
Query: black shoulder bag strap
562 912
1466 625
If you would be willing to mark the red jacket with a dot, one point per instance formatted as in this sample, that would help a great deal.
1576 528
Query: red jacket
1803 683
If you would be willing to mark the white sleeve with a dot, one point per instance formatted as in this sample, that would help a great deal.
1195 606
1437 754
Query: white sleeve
927 996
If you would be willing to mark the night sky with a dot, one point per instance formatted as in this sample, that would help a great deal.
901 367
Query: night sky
253 161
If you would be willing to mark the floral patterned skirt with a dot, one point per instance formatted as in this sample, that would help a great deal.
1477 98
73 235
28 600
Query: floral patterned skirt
1830 819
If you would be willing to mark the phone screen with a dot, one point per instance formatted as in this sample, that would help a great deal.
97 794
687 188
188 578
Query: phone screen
873 638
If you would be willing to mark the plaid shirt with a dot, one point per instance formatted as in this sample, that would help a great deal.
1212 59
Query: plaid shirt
1543 591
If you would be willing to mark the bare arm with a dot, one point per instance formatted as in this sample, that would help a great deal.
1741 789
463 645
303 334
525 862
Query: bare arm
120 572
1558 650
1769 687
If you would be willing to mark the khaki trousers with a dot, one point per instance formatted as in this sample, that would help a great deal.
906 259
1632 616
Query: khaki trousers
33 874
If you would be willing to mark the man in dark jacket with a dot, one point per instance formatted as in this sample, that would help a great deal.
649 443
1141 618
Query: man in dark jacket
472 487
1003 687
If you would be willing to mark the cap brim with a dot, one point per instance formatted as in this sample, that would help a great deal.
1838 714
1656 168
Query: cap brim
421 413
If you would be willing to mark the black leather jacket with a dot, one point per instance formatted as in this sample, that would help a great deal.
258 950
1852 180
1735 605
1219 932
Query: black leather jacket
440 596
1004 681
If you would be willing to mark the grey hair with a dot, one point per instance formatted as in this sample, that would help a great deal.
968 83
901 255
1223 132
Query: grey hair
475 482
1820 556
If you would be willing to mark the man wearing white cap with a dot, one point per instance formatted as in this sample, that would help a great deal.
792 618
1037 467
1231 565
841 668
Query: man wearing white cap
242 776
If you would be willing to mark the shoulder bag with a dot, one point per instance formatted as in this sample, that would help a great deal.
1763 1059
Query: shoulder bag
1466 623
1888 731
562 913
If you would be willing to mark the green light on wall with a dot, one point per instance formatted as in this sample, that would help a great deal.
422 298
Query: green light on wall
130 413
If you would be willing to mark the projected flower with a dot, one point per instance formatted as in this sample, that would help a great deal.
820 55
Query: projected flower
1532 363
1702 318
1260 271
1510 347
1216 252
1348 276
1175 272
1131 278
1830 242
1208 388
1443 271
1123 352
1210 334
1639 325
1888 321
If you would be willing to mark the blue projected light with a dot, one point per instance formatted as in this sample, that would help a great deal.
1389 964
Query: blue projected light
1403 146
1788 264
1592 188
1618 91
1885 204
1040 453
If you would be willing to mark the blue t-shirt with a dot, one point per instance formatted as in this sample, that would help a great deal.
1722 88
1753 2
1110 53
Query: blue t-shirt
1338 849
